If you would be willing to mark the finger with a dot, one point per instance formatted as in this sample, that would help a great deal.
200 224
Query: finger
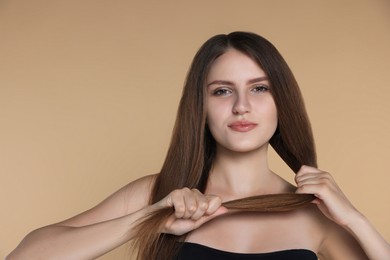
202 205
322 178
308 189
214 203
205 218
206 205
201 199
176 200
310 179
306 169
311 175
321 187
196 204
190 204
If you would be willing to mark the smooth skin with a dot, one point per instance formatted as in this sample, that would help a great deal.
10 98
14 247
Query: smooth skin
237 91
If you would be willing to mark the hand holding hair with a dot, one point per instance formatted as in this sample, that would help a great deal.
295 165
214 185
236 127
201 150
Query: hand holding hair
184 210
332 202
187 209
329 198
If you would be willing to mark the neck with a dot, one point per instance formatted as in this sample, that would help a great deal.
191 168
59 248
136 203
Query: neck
235 174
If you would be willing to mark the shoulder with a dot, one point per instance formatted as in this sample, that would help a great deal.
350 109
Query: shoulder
334 241
133 196
338 243
136 194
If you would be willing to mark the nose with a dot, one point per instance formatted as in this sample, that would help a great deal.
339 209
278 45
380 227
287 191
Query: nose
241 105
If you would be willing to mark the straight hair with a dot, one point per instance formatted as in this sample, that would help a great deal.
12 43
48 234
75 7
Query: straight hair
192 149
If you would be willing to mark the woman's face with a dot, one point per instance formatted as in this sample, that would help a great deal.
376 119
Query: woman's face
241 113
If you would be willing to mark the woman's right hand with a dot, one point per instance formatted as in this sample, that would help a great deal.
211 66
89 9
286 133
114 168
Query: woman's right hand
191 210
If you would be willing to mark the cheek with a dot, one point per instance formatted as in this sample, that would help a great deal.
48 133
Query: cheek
273 114
270 114
215 122
275 120
212 119
215 112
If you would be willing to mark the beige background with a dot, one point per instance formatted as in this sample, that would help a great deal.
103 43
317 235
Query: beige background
89 91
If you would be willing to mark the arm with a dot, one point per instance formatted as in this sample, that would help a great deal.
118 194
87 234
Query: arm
92 233
85 242
356 237
368 237
110 224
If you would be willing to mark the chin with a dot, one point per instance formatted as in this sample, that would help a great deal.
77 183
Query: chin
248 148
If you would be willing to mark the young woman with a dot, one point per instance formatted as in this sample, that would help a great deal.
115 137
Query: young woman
239 97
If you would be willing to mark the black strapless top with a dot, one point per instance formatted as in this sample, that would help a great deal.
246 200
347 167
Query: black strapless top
192 251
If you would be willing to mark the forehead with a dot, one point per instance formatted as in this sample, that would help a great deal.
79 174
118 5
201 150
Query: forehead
234 64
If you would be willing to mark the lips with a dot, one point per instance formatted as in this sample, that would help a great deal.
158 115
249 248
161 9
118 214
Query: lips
242 126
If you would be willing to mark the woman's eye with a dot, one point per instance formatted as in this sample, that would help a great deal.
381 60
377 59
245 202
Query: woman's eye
260 89
221 92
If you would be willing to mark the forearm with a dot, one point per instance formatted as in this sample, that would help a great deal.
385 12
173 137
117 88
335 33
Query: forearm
86 242
374 245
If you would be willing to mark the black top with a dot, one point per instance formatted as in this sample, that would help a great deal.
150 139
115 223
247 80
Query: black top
192 251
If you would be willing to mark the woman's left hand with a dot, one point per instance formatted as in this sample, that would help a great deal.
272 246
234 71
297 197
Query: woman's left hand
329 198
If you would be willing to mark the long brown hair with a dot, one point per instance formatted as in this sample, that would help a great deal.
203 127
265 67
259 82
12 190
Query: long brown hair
192 149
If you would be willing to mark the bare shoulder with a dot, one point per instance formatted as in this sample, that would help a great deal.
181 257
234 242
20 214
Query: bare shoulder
128 199
340 244
136 194
335 241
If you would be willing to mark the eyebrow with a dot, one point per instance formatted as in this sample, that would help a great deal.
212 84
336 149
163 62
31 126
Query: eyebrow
226 82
